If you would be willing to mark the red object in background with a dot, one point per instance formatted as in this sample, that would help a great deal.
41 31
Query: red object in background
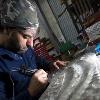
41 50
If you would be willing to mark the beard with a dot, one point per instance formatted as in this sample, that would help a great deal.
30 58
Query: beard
14 45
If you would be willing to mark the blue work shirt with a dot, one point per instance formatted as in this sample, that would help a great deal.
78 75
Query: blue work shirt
13 84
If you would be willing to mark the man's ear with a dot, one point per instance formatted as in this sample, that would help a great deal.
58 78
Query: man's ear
11 32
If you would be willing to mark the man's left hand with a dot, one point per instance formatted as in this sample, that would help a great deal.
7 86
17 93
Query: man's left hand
59 64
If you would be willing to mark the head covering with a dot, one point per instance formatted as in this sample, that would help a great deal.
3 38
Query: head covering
18 13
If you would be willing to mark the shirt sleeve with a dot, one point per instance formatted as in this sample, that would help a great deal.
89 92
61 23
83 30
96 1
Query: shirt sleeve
42 62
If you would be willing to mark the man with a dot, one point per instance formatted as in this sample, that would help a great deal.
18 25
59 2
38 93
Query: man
19 23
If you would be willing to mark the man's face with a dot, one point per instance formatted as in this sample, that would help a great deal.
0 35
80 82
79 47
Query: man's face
17 41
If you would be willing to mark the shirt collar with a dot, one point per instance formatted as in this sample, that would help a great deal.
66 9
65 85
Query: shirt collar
14 56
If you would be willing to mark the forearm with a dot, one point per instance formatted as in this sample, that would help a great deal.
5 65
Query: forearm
43 63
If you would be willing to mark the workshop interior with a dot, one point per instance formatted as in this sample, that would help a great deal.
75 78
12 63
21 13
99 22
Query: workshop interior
70 31
67 28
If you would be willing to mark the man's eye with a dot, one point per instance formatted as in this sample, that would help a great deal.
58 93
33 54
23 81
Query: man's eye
26 37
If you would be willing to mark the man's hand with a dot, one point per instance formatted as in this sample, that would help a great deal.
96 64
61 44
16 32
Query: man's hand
59 64
38 82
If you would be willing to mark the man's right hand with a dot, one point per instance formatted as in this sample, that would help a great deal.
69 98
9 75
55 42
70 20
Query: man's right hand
38 82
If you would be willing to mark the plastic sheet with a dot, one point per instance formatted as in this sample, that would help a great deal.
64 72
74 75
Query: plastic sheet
80 80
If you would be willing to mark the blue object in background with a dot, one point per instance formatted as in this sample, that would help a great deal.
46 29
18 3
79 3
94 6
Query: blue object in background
97 49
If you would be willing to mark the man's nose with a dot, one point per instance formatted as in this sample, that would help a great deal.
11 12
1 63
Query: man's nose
29 42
